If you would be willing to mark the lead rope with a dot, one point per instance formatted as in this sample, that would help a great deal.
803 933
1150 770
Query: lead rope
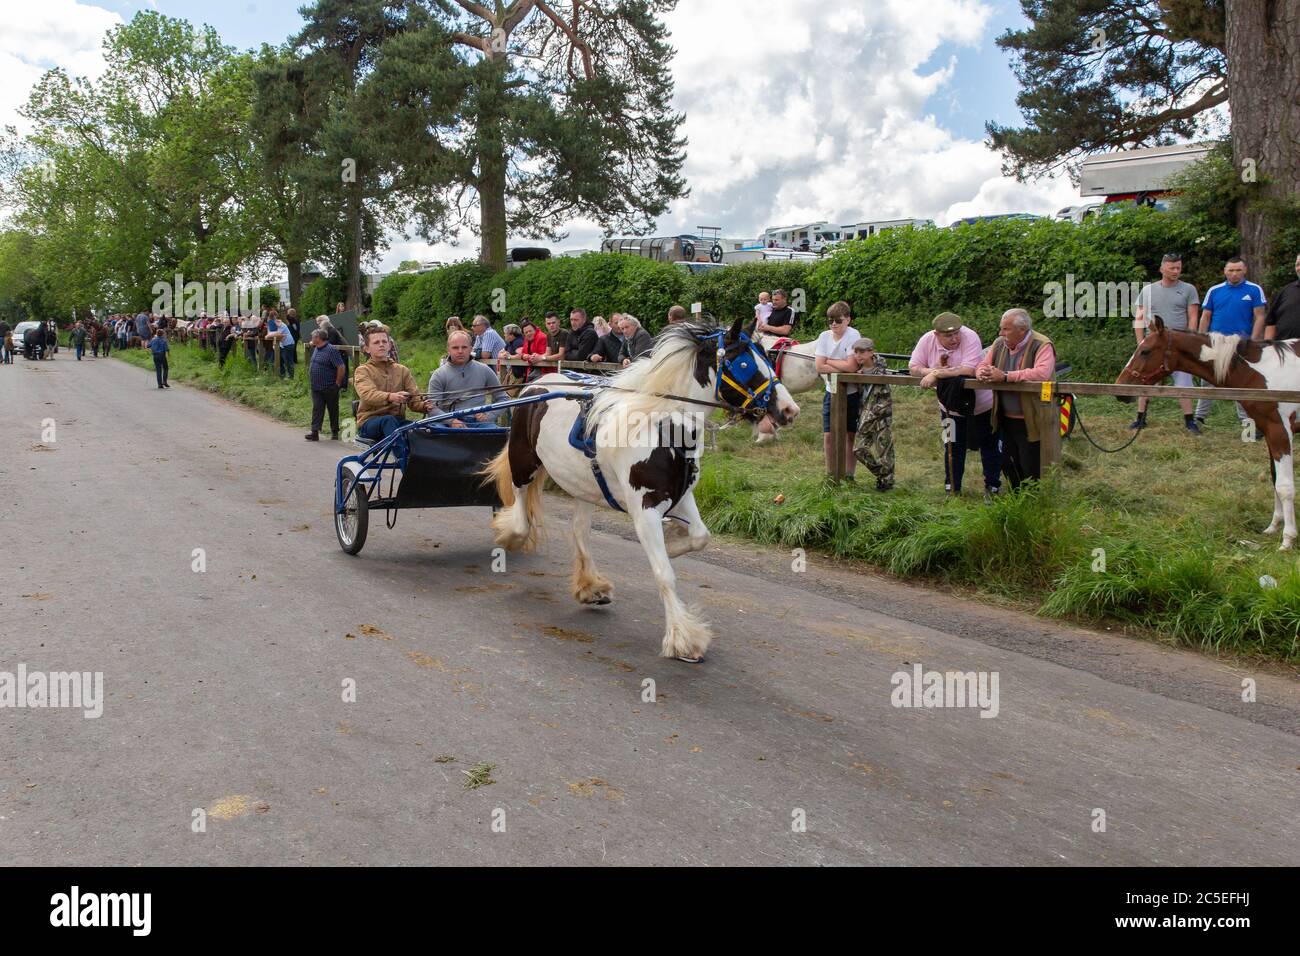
1084 428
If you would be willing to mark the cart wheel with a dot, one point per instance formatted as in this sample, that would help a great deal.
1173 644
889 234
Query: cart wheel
351 524
715 254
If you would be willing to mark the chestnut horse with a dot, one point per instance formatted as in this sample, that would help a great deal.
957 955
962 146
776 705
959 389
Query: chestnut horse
1229 361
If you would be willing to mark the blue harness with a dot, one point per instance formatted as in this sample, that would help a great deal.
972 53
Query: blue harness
585 443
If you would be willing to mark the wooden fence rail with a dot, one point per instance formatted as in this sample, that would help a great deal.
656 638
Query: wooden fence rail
1047 408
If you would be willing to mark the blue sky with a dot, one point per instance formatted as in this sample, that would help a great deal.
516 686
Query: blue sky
846 111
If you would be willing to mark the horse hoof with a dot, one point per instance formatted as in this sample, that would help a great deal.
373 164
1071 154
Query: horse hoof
691 660
599 600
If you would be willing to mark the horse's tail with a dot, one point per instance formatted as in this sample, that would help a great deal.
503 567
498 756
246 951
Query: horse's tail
518 524
497 472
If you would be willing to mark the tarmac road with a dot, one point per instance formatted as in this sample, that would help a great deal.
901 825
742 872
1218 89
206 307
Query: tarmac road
224 688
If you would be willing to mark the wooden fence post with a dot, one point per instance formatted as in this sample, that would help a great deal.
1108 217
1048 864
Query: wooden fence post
839 421
1048 409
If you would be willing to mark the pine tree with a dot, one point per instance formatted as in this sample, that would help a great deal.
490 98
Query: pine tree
1107 74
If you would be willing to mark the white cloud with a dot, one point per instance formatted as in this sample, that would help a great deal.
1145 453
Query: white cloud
38 36
800 111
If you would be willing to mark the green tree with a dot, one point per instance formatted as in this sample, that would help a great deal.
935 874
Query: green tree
1105 74
381 69
140 169
564 113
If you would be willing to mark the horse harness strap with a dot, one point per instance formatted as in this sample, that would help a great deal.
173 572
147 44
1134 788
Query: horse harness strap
586 444
779 348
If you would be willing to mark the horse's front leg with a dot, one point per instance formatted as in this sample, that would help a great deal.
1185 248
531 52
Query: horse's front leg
686 636
693 535
588 585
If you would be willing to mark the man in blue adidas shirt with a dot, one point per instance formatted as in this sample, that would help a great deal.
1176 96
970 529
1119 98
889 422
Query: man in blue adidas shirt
1235 307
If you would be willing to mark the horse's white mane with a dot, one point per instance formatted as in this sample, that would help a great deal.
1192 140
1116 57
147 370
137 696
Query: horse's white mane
670 369
1220 352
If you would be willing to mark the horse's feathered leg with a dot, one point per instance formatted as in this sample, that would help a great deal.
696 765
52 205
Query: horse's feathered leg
588 585
686 636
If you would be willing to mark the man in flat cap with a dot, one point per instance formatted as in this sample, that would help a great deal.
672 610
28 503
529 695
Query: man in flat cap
943 358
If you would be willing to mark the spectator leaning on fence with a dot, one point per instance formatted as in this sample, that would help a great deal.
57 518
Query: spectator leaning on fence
384 389
326 375
610 343
557 342
283 342
534 347
463 383
1233 307
291 320
1283 319
514 339
1018 355
945 357
1176 303
487 344
874 446
582 338
834 353
637 342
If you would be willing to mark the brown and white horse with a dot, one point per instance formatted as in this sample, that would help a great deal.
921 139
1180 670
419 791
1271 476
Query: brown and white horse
1232 362
644 430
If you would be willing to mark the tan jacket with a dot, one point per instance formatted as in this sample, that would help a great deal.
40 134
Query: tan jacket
374 380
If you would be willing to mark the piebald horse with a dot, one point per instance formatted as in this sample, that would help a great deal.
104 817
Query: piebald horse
1232 362
798 374
644 428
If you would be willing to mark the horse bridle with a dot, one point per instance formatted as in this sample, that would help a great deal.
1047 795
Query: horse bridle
739 371
1161 373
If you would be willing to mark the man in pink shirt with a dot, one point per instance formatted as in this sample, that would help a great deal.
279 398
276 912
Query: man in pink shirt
1018 355
942 358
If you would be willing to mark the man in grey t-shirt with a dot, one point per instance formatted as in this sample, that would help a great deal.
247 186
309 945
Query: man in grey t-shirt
463 383
1178 305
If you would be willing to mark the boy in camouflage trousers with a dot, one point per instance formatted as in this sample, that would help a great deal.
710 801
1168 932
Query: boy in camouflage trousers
874 446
